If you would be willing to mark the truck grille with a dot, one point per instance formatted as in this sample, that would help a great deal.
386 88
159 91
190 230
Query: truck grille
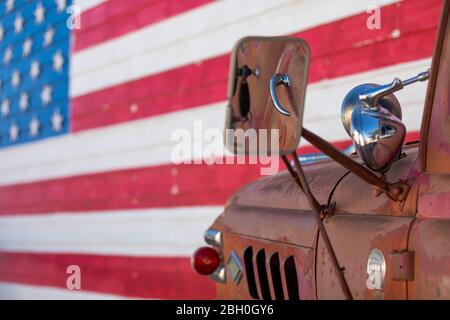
265 275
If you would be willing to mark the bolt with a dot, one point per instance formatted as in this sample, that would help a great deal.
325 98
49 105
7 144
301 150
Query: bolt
395 191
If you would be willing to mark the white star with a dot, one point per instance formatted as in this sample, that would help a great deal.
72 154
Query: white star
15 79
23 101
2 32
8 55
58 61
18 24
39 13
26 47
57 121
5 107
13 131
48 36
61 5
34 126
34 69
9 5
46 94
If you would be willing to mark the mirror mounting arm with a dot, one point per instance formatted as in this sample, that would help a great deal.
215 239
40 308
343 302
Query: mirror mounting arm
319 214
245 71
396 191
373 96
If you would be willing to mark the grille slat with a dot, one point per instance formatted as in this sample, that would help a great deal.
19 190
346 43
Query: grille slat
276 277
291 278
271 278
262 275
250 272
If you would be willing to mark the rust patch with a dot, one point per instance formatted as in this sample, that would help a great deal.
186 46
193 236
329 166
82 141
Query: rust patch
434 196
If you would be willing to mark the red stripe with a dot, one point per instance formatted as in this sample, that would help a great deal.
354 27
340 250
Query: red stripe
339 48
143 277
114 18
133 188
158 186
174 90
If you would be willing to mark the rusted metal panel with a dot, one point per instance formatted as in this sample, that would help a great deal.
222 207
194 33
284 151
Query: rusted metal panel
430 240
353 238
282 225
435 138
402 265
304 261
434 196
355 196
281 191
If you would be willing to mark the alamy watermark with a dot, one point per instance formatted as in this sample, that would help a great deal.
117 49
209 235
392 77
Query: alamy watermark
201 145
374 19
74 19
73 282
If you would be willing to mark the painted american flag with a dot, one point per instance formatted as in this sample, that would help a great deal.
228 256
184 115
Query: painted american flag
86 117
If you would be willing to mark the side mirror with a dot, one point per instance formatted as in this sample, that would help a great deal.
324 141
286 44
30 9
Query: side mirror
371 115
378 136
266 93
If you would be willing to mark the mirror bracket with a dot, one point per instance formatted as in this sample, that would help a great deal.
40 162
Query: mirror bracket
396 191
373 96
245 71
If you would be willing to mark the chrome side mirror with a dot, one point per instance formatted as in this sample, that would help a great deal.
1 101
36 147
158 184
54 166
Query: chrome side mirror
266 93
371 115
378 136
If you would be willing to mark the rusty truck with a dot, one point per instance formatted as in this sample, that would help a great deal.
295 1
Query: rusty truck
370 224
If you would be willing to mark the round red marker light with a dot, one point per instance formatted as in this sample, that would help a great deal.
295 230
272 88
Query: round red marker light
205 260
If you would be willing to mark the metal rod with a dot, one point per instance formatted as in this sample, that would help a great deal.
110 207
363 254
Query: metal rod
419 77
292 171
362 172
316 207
372 97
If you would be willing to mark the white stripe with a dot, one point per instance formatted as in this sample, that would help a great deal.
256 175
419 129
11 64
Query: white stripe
85 5
147 142
146 232
199 34
15 291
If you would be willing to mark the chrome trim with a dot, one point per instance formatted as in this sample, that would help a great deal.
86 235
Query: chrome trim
234 267
372 97
213 237
316 157
219 275
352 100
277 80
371 115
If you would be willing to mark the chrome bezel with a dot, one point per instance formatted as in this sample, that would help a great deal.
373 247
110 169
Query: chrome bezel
219 275
213 237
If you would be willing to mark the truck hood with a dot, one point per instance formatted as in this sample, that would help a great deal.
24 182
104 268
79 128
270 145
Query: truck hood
274 208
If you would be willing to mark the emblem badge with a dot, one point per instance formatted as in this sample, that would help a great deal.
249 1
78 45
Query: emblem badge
376 270
234 267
